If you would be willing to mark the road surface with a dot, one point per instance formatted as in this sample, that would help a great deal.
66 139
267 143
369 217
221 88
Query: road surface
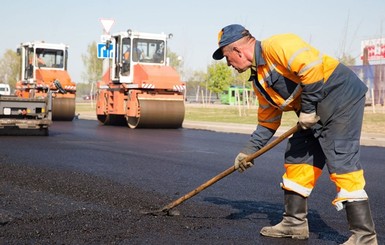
87 184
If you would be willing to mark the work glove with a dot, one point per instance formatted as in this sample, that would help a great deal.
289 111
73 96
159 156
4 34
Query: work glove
240 164
307 120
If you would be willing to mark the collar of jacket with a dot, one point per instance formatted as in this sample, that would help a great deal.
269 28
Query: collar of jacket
257 61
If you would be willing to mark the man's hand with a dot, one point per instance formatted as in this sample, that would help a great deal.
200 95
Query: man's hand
307 120
240 164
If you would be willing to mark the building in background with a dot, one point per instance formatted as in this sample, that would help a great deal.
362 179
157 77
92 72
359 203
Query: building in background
372 70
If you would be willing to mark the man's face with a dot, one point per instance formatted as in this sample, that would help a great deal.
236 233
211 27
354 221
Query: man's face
235 58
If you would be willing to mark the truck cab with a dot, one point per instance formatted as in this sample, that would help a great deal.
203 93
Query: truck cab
5 89
136 48
41 55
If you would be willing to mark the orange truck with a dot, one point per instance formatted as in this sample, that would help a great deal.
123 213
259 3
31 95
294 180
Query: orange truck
44 71
138 87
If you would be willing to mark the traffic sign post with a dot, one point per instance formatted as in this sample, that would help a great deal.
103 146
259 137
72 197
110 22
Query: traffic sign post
105 38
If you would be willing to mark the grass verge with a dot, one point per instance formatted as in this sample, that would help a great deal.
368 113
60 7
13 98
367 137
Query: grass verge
374 122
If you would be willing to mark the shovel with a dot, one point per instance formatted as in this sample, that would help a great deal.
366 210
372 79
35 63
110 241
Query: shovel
167 209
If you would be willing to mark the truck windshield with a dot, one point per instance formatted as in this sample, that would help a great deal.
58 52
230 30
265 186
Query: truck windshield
51 58
148 51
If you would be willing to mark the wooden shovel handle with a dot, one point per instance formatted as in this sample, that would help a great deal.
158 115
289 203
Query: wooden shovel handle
231 169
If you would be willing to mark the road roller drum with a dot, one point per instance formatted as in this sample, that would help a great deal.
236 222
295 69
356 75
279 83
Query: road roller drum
158 114
63 109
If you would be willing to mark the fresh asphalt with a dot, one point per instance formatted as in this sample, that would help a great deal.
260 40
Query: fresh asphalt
367 139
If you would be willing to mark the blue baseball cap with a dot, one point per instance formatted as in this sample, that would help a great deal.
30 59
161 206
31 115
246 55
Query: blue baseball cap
227 35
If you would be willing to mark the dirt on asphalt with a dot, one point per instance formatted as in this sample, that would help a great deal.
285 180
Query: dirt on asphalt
39 205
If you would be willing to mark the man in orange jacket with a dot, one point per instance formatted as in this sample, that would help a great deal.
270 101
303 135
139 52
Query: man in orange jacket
290 75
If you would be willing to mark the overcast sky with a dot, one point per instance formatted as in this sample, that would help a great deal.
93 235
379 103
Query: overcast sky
333 26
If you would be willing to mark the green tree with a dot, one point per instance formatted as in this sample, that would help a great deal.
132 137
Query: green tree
10 64
94 65
219 77
175 61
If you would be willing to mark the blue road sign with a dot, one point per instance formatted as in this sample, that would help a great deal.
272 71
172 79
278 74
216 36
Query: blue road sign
103 52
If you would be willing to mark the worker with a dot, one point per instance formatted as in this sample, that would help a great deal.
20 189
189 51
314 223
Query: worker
126 61
290 75
137 53
39 60
158 56
127 50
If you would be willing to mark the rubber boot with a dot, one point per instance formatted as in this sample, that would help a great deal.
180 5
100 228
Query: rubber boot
360 223
294 223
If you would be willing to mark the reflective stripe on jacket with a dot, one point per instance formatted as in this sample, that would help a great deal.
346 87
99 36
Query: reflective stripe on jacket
289 75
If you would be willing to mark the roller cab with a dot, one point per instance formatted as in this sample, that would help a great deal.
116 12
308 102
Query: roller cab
139 88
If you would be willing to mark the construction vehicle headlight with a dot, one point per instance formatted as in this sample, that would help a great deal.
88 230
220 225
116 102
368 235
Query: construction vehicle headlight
170 36
129 32
7 111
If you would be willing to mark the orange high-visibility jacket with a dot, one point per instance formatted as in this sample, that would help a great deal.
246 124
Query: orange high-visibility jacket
288 75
